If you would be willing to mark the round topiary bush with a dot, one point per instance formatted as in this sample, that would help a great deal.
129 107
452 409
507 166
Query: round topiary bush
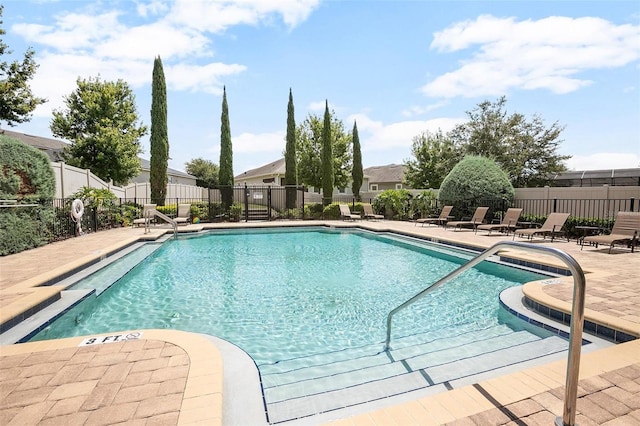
26 177
473 181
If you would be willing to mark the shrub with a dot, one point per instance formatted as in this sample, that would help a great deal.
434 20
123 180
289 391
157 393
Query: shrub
395 203
332 211
473 179
423 205
26 177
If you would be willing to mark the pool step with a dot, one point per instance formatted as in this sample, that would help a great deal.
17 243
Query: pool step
328 384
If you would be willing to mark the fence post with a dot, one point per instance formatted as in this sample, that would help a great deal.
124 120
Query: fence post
209 209
301 189
632 201
555 205
269 202
246 203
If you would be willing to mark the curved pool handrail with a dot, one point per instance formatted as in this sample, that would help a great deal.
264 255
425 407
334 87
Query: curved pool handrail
577 314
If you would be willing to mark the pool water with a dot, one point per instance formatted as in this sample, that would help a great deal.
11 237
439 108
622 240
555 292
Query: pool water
287 294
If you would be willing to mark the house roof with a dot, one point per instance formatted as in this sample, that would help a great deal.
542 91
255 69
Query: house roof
388 173
54 147
274 168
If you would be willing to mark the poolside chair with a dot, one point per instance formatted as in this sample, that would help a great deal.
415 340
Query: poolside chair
184 213
440 220
369 214
509 222
147 210
477 219
552 226
625 230
345 213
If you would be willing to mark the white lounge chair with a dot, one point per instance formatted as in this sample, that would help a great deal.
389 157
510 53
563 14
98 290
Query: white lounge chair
345 213
184 213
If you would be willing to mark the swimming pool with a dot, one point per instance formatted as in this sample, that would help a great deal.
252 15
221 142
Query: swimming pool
309 306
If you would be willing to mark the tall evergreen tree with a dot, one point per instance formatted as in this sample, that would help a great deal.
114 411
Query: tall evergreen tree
291 172
357 174
225 175
159 139
327 158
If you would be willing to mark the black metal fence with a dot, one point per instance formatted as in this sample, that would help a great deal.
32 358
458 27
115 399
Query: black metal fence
270 203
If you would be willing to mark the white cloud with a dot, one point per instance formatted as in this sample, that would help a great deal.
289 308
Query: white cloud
206 78
549 53
262 142
414 110
603 161
375 135
217 15
319 107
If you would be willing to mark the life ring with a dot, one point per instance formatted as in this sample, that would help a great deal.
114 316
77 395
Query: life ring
77 209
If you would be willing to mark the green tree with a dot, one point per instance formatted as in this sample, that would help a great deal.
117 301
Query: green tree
26 177
225 175
327 158
434 155
309 151
159 139
101 122
291 172
357 174
205 171
473 179
525 149
16 100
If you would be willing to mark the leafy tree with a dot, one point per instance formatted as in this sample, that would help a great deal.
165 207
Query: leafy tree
309 152
291 172
159 140
16 100
357 174
525 149
474 179
327 158
205 171
225 174
26 177
434 156
101 122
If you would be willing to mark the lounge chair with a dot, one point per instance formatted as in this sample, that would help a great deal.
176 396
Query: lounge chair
552 226
509 222
147 210
625 230
345 213
184 213
440 220
369 214
477 219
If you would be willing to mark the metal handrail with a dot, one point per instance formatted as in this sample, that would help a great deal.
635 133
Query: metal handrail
577 315
154 212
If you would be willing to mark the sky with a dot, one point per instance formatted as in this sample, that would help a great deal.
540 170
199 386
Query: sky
396 68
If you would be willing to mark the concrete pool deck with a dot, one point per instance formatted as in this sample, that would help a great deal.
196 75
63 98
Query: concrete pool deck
169 377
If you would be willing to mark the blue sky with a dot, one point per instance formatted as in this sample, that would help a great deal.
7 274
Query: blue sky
396 67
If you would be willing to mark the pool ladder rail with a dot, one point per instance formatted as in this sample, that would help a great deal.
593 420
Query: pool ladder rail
153 212
577 315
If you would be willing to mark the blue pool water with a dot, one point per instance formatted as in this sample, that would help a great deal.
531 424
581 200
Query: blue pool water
287 294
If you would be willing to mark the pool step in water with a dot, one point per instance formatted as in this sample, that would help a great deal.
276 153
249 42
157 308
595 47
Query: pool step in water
293 391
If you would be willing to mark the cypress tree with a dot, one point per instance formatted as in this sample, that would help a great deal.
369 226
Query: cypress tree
291 172
159 139
225 174
327 158
357 175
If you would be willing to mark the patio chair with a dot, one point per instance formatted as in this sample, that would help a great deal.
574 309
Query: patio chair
184 213
509 222
440 220
345 213
625 230
369 214
147 210
477 219
552 226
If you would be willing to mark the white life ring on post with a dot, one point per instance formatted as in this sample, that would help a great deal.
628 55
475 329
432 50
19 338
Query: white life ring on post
77 208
